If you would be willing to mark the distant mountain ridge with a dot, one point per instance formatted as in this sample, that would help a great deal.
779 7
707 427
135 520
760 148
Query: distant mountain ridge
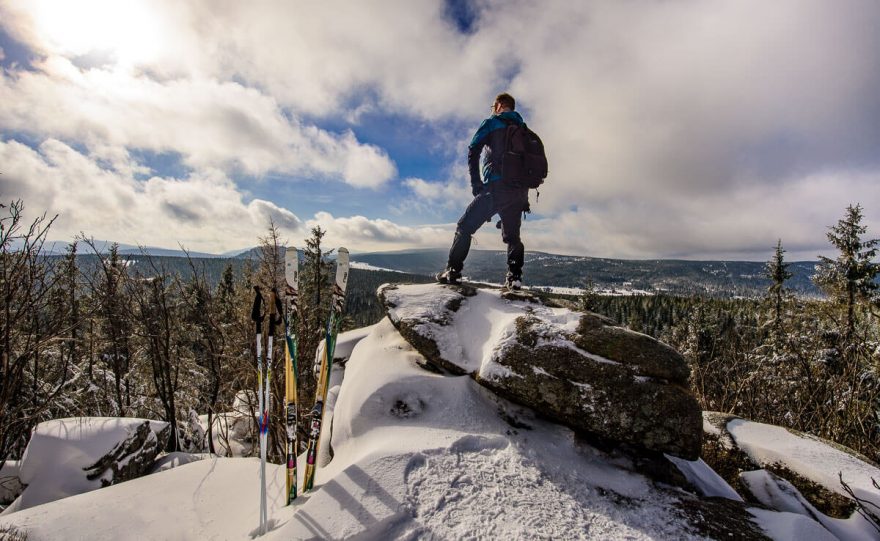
58 247
680 277
715 278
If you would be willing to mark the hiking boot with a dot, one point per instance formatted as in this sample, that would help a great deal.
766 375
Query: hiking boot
449 276
513 282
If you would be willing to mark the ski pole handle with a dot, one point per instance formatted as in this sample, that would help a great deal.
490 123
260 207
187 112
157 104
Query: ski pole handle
256 312
275 311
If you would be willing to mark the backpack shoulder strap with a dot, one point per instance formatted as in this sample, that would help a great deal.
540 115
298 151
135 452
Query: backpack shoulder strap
508 122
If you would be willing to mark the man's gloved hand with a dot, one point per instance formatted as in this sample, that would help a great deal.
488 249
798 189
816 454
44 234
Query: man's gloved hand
477 188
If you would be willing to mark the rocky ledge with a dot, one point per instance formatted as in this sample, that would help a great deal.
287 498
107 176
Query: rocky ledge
576 368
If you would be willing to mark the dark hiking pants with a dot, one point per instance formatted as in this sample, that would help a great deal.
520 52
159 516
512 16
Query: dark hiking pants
509 204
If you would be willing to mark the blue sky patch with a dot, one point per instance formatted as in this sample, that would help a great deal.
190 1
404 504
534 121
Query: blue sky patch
163 164
462 13
14 53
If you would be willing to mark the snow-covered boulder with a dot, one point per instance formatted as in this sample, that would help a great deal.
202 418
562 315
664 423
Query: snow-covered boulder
577 368
419 455
71 456
793 472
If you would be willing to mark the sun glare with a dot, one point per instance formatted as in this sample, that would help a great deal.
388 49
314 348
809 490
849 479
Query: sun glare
126 31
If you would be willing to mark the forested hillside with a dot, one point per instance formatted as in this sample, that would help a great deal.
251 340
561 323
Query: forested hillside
721 279
715 278
361 305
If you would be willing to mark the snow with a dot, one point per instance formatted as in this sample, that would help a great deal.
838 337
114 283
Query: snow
776 493
813 459
481 328
807 456
624 291
418 455
435 459
704 478
208 499
366 266
422 299
709 428
791 526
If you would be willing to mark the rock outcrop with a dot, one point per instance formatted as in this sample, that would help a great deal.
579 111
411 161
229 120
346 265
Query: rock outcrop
576 368
762 476
131 457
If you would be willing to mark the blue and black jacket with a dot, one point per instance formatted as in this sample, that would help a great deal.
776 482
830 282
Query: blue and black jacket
491 136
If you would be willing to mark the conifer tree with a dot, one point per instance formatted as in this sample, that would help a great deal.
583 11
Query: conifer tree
314 310
70 282
850 278
159 329
233 298
226 301
114 326
777 271
589 297
206 336
270 274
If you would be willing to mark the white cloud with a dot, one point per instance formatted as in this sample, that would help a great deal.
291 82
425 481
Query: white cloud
741 225
363 234
311 58
406 52
204 212
207 212
428 196
366 166
682 127
264 212
211 124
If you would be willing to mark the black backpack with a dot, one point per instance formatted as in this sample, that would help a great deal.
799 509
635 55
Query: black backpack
524 163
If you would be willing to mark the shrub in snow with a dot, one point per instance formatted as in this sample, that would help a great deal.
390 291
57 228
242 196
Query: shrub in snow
11 533
194 438
233 432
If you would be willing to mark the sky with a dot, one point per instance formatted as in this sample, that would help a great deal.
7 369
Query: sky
693 129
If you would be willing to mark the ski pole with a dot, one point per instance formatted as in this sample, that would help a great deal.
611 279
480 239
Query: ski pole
257 317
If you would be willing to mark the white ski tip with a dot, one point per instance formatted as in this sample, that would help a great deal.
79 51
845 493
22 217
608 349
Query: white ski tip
342 268
291 267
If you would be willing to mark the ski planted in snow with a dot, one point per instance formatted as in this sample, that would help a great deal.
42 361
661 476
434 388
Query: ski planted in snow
291 319
333 323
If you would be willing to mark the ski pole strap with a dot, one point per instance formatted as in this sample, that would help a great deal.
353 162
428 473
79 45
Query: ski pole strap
256 312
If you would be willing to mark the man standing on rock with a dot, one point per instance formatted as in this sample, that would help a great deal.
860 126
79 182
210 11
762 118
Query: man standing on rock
491 196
